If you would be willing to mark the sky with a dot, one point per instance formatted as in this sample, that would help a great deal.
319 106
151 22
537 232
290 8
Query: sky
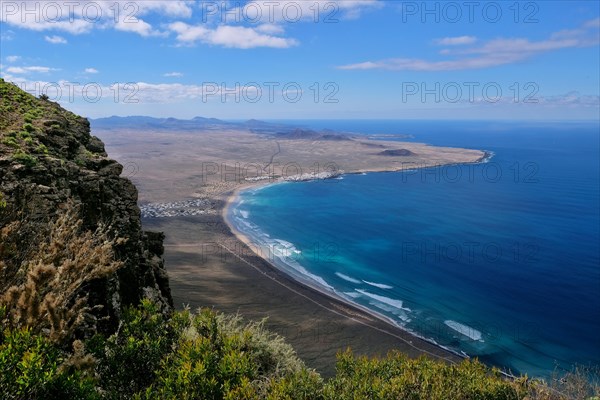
308 59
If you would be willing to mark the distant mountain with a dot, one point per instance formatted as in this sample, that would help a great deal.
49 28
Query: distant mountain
298 133
275 130
140 122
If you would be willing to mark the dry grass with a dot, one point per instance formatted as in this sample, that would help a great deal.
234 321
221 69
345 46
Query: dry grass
47 290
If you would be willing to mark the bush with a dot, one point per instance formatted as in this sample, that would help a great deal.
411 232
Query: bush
34 368
11 142
24 158
41 149
28 127
213 356
24 135
218 357
398 377
128 360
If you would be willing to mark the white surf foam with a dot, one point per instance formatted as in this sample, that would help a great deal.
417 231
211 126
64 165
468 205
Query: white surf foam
286 253
283 248
465 330
244 214
347 278
401 314
379 285
385 300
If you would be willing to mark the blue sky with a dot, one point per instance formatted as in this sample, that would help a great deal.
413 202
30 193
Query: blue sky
284 59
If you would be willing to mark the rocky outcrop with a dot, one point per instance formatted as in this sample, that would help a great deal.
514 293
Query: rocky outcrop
49 157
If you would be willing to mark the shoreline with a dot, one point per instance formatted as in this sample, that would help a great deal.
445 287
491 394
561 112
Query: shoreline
354 308
212 264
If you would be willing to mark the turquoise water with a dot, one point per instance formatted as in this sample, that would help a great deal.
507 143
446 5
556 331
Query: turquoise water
498 260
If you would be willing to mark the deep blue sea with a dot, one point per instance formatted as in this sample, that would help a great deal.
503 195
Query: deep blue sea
499 260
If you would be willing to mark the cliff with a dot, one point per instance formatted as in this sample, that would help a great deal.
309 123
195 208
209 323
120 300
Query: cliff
48 158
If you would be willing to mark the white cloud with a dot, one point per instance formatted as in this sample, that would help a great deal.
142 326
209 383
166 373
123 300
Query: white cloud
222 29
91 71
456 41
572 99
594 23
6 36
246 38
182 9
173 74
55 39
12 59
493 53
39 22
229 36
79 17
140 27
271 29
24 70
290 11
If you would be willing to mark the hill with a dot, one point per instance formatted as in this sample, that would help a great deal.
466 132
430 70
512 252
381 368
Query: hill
49 159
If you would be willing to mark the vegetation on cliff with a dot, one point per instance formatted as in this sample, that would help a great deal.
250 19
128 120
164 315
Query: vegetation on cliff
85 308
48 160
206 355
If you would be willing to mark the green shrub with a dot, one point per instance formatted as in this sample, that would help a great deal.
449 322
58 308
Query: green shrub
398 377
25 159
10 141
28 127
33 368
213 356
41 149
24 135
218 357
127 360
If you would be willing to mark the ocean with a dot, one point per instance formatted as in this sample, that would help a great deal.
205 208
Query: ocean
498 260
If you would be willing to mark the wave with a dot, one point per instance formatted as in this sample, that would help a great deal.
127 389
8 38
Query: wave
378 285
284 248
244 214
386 300
465 330
284 254
393 310
347 278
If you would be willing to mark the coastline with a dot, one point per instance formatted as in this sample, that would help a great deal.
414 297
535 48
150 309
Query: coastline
212 265
350 308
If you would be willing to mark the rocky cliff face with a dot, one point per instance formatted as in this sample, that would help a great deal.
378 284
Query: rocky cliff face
48 157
